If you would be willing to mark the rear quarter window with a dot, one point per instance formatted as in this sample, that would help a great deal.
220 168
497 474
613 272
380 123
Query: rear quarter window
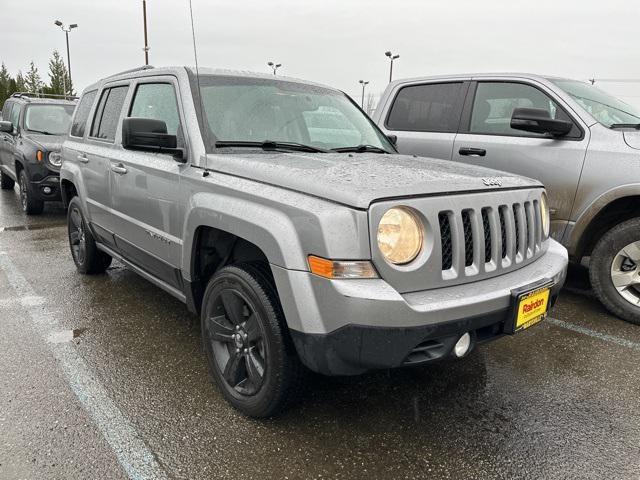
80 119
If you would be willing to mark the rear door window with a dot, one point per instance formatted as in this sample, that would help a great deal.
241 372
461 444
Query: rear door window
105 122
78 126
432 107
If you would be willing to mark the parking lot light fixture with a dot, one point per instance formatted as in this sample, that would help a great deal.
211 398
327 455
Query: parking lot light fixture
392 57
274 66
364 84
66 30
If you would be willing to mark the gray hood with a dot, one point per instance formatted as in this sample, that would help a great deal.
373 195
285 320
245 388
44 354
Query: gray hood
362 178
49 143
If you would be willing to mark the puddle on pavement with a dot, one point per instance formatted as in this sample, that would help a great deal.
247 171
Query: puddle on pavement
65 336
21 228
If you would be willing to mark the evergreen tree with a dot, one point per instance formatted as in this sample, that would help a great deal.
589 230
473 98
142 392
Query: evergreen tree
32 81
60 83
5 84
20 85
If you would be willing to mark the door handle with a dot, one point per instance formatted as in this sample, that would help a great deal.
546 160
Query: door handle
82 158
120 169
472 152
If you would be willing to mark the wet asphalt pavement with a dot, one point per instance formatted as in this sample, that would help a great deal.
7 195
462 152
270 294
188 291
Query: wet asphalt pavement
127 394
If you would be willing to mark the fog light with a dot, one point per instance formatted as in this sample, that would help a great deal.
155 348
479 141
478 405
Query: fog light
46 190
462 345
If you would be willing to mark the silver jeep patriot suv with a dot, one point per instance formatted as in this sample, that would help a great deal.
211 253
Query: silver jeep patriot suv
281 214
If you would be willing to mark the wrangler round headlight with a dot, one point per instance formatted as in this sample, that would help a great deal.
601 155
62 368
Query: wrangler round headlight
55 159
400 235
544 215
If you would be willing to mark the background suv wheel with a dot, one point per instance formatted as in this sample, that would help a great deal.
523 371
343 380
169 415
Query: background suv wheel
615 270
30 204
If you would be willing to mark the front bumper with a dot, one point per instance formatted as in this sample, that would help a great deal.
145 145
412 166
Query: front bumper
346 327
47 189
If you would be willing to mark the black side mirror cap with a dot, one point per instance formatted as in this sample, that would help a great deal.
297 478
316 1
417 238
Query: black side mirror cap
393 139
6 127
149 135
538 120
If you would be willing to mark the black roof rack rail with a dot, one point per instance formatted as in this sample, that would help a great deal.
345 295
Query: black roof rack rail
131 70
53 96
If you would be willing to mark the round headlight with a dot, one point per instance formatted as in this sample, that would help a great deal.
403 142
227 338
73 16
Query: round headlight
400 235
544 215
55 159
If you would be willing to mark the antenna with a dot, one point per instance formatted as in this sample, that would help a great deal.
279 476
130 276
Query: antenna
195 54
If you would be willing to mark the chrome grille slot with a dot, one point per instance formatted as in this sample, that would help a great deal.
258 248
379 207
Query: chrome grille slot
468 237
445 240
503 231
530 233
486 228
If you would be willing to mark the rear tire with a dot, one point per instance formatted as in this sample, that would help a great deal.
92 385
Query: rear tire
30 204
249 351
6 182
88 258
614 270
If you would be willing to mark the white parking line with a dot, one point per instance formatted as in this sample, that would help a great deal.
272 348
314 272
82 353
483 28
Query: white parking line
135 457
592 333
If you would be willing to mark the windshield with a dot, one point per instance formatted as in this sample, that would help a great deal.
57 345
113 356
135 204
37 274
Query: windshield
605 108
256 110
49 119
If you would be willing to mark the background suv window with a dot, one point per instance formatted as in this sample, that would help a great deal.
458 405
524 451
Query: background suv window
157 101
105 122
427 108
82 114
495 102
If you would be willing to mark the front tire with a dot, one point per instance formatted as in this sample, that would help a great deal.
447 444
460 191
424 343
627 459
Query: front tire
88 258
30 204
249 351
615 270
6 182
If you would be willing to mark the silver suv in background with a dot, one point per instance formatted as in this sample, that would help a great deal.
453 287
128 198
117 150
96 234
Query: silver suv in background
580 142
281 214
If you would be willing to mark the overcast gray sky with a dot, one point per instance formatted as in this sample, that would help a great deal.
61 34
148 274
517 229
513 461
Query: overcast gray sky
336 42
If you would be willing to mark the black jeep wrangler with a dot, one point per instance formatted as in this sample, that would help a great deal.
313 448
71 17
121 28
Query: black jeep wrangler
31 135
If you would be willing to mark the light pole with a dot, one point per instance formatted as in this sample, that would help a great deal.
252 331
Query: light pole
66 30
146 43
364 84
274 66
392 57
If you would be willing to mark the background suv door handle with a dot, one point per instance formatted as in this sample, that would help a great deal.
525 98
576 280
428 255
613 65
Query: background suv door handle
119 169
82 158
472 152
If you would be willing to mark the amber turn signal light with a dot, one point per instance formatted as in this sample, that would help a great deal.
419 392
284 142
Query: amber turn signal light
335 269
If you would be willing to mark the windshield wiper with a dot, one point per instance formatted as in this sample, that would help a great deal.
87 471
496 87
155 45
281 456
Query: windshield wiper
626 125
270 145
361 149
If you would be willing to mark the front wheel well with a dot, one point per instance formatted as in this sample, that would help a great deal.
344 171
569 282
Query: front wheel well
616 212
67 191
214 249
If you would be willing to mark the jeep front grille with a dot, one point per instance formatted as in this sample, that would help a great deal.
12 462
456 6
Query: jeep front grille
489 238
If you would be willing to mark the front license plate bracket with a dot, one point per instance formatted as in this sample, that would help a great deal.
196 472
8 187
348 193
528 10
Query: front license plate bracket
511 326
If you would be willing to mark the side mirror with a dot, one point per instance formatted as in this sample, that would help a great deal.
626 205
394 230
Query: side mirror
6 127
538 120
149 135
393 139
